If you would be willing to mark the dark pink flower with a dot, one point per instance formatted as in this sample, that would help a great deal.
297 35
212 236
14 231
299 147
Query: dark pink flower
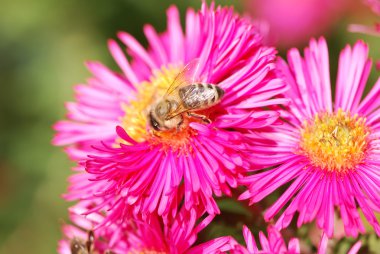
109 238
372 30
274 243
326 152
323 246
134 236
293 22
271 244
140 171
375 5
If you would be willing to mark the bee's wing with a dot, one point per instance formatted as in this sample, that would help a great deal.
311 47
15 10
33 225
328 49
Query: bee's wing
185 77
180 110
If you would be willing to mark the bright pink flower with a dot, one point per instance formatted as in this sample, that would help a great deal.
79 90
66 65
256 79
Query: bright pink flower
356 28
293 22
143 172
273 244
371 30
134 236
375 30
110 238
323 246
328 152
375 5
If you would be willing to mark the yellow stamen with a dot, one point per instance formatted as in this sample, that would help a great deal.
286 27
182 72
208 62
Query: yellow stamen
135 119
334 142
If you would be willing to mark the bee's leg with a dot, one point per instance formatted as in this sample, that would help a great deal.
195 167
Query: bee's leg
198 116
179 124
90 240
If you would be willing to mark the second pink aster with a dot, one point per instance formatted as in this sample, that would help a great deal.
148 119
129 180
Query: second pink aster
326 153
141 172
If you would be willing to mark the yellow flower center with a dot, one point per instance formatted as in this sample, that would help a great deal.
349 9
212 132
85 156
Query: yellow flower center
135 120
334 142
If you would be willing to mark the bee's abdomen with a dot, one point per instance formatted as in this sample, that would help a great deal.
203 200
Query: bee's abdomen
200 95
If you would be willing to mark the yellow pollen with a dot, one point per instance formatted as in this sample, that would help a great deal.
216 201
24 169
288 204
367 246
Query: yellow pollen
334 142
135 119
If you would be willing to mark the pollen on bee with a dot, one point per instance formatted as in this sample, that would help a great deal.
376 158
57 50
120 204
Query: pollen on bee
176 140
134 120
334 142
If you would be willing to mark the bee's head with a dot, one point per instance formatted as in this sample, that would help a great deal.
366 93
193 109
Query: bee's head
153 122
158 117
162 108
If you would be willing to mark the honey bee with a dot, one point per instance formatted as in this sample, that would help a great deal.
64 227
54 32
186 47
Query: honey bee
79 246
184 95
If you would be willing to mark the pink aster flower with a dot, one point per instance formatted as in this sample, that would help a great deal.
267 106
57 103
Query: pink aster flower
293 22
372 30
142 171
356 28
375 5
323 246
328 152
111 238
375 30
274 243
134 236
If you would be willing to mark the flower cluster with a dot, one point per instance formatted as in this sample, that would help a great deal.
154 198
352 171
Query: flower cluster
200 114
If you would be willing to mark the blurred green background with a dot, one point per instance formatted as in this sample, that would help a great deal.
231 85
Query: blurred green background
43 45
